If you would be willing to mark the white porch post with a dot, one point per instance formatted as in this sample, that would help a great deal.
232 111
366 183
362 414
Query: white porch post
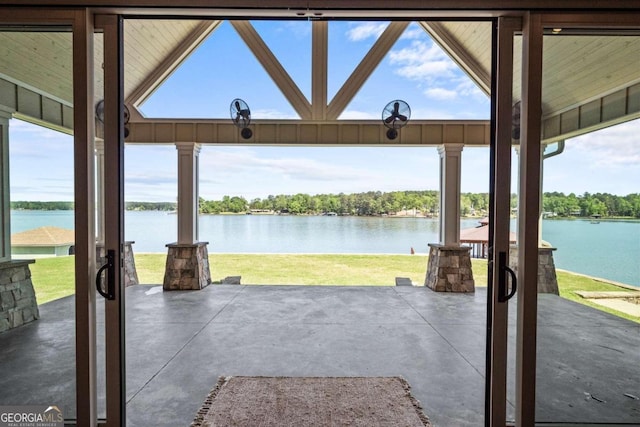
5 207
187 265
188 156
450 172
449 268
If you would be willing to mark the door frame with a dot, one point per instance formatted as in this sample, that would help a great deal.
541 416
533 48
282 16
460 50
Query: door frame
113 214
499 220
81 23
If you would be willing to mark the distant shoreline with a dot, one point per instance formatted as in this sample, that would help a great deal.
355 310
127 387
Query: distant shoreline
397 215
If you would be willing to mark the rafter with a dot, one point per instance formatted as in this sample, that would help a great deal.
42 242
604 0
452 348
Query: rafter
171 63
319 72
365 68
274 68
460 54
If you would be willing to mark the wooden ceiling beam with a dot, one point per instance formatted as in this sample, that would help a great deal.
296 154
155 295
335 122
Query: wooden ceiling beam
319 72
311 132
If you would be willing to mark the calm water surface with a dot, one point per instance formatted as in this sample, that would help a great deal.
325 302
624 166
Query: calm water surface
610 249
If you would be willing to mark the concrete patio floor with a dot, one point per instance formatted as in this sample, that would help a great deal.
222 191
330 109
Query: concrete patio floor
178 343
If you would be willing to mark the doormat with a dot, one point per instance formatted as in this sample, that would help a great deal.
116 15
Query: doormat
311 401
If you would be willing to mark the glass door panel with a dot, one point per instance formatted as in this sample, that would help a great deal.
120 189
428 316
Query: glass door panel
37 266
502 281
588 359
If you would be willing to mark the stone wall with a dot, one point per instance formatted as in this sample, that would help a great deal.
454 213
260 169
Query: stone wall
449 269
187 267
17 298
547 278
130 272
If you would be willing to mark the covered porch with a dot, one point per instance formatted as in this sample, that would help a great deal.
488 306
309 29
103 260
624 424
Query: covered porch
179 343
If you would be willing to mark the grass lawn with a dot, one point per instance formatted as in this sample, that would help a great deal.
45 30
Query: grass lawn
53 277
329 269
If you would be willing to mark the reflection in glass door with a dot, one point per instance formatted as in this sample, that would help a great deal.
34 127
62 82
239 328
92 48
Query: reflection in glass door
588 350
37 264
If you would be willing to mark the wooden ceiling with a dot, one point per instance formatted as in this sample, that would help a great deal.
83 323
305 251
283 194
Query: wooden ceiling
577 69
42 61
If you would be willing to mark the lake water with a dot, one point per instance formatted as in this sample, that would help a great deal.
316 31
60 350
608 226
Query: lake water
610 249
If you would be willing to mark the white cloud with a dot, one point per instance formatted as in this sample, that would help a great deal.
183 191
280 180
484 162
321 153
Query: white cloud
246 160
413 32
300 29
268 114
422 61
358 115
441 93
463 88
612 147
366 30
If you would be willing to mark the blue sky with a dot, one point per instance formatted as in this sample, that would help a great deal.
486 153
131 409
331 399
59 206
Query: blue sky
222 69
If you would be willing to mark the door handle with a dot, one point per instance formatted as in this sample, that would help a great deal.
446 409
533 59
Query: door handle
111 282
504 269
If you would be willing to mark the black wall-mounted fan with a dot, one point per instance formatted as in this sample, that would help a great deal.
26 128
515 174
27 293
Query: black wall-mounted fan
241 117
125 115
395 115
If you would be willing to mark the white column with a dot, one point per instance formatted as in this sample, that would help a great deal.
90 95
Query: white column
99 144
450 172
5 207
188 154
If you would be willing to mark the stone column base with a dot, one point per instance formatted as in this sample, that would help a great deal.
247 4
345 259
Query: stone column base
187 267
130 272
449 269
547 278
17 298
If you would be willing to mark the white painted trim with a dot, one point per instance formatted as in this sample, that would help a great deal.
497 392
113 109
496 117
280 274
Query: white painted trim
188 158
450 174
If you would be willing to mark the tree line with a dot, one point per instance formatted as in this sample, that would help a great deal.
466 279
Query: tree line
604 204
69 206
365 204
424 202
384 203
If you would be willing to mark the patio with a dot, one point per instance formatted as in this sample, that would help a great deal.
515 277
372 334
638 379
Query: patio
178 343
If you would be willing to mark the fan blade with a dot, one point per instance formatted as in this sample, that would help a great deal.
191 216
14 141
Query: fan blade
402 118
389 119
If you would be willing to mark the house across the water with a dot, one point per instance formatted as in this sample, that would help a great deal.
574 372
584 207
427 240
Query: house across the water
43 242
